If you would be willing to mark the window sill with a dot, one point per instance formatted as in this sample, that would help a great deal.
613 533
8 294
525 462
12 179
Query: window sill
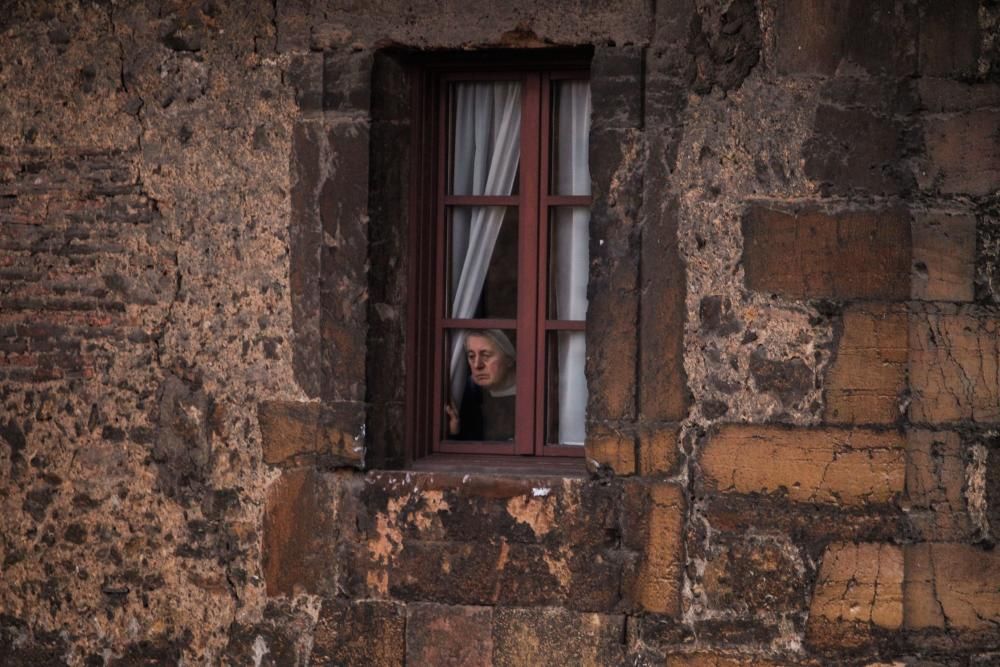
507 466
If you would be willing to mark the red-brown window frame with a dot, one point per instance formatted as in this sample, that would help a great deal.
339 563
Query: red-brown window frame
428 204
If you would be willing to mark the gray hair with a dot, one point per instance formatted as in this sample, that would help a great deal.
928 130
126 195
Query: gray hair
499 339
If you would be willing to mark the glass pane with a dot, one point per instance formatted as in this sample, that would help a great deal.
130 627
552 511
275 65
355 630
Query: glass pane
565 387
481 383
484 137
569 260
482 262
570 138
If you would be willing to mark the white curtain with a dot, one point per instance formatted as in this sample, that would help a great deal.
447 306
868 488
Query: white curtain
486 150
572 239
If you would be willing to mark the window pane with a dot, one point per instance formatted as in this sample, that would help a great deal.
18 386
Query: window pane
570 137
482 262
484 137
569 259
566 387
481 381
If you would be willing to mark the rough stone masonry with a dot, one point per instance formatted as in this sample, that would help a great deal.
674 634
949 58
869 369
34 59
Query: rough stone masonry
794 362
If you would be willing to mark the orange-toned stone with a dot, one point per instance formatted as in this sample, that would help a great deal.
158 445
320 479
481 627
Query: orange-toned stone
829 465
954 365
935 475
658 510
944 257
611 448
658 454
860 583
951 585
868 375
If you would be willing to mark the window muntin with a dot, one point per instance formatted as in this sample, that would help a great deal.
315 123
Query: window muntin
512 223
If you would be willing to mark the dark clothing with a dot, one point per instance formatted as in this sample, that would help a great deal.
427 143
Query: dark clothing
485 417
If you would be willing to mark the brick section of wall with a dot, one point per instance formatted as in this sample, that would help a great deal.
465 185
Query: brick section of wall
944 256
954 365
867 379
611 450
654 519
951 585
935 476
964 154
295 433
658 449
860 583
812 255
824 465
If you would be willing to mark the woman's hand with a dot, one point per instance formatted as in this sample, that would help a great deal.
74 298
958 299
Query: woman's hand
452 412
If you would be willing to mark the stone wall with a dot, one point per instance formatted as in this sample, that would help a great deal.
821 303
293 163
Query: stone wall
794 369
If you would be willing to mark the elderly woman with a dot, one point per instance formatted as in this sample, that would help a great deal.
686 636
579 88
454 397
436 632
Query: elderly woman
487 410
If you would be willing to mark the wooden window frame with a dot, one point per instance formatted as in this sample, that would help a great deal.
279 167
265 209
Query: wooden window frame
427 325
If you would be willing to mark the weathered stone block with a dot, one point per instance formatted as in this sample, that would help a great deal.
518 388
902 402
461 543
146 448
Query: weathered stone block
963 153
824 465
548 635
709 659
949 38
874 163
954 362
654 518
935 475
613 289
614 450
616 87
367 633
449 635
809 254
951 585
658 449
815 37
347 78
305 241
860 583
868 376
306 75
944 257
485 540
947 95
343 210
294 433
759 573
663 392
300 534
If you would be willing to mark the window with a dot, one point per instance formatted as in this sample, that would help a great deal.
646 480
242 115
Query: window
500 213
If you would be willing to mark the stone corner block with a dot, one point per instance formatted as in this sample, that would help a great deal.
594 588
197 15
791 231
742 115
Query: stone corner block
328 434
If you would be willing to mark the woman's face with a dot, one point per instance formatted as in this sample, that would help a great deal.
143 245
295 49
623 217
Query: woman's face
489 366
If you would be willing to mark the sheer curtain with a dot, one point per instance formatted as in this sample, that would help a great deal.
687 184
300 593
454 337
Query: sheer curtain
572 240
486 151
